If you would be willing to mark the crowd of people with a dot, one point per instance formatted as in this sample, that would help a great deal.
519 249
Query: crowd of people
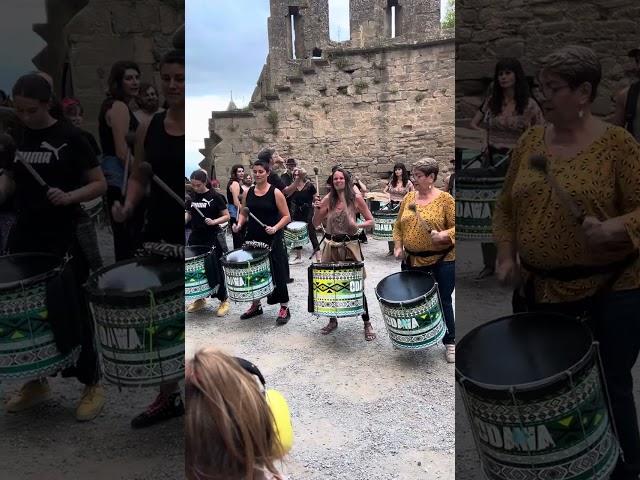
51 171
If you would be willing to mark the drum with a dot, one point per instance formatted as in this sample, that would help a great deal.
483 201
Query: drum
27 346
532 389
138 308
296 235
411 309
196 282
247 272
337 289
383 224
93 208
476 194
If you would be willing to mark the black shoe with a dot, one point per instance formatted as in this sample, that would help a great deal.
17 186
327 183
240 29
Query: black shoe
163 408
283 316
252 312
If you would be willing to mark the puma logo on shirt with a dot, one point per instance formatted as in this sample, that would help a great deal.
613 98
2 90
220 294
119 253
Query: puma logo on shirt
42 157
51 148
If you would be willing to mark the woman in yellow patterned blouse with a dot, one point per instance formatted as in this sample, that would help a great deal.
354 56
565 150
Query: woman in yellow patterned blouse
582 259
424 235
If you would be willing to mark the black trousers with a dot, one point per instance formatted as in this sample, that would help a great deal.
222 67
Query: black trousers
211 239
614 323
127 236
69 312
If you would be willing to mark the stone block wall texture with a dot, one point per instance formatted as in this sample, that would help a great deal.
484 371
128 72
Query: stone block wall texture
93 34
365 104
529 29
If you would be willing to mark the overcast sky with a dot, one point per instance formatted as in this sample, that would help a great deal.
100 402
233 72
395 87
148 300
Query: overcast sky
19 43
226 50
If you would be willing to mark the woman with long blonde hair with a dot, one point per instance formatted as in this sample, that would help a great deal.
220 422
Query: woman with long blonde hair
229 427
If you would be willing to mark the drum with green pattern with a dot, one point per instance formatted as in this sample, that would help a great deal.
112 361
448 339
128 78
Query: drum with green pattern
543 414
411 309
138 308
247 273
27 346
337 289
196 283
476 194
383 222
296 234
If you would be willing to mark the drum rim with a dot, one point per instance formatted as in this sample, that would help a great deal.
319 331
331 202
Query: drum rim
332 265
202 255
538 384
36 278
95 292
413 300
303 224
226 263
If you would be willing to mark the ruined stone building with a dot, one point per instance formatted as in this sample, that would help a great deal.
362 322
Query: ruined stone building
530 29
385 95
85 37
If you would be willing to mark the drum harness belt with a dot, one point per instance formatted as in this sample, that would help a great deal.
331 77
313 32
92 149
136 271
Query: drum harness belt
431 253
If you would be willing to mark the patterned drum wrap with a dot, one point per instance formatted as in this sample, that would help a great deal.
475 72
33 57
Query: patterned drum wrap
296 235
196 283
27 346
94 207
557 430
138 307
475 201
383 224
247 272
338 289
411 310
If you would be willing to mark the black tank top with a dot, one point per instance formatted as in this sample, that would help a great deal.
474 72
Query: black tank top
229 194
266 210
165 153
106 133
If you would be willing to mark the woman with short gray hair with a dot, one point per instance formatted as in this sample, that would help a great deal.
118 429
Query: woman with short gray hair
577 238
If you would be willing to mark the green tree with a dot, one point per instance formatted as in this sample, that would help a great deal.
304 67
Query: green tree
450 17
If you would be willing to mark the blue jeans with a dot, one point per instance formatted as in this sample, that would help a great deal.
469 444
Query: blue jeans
445 274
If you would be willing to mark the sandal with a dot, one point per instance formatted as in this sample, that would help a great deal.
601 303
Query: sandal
330 327
369 334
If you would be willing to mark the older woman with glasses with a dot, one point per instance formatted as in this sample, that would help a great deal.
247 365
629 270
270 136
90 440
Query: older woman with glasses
572 247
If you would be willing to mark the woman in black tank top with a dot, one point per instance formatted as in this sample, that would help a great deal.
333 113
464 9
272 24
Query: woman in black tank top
115 120
161 144
234 200
269 205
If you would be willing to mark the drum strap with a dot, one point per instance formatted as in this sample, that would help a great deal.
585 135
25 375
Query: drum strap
431 253
341 238
577 272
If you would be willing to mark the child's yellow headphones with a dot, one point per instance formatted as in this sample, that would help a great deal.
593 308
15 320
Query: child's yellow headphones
279 410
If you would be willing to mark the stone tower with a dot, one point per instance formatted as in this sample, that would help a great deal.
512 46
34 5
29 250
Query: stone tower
366 102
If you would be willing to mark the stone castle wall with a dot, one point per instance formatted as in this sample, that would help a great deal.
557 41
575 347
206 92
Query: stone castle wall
93 34
489 29
366 103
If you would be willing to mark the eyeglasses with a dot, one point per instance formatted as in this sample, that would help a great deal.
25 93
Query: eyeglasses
548 91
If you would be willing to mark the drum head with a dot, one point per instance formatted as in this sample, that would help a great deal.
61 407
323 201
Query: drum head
194 251
245 255
404 286
137 276
296 226
522 349
26 268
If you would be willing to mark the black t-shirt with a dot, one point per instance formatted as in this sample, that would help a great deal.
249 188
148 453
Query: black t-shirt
211 204
92 141
301 201
287 178
275 180
61 155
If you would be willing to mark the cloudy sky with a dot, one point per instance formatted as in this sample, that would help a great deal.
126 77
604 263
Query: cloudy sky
19 43
226 49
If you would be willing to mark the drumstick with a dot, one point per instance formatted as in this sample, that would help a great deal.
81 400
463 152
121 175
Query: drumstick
130 138
315 170
9 153
539 162
198 210
31 170
145 170
246 211
414 209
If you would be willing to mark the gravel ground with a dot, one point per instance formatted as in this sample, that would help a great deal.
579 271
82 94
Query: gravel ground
47 443
361 410
480 302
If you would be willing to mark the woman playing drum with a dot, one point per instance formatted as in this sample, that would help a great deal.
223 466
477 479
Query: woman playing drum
301 208
47 216
338 209
206 213
569 216
397 188
269 206
424 236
